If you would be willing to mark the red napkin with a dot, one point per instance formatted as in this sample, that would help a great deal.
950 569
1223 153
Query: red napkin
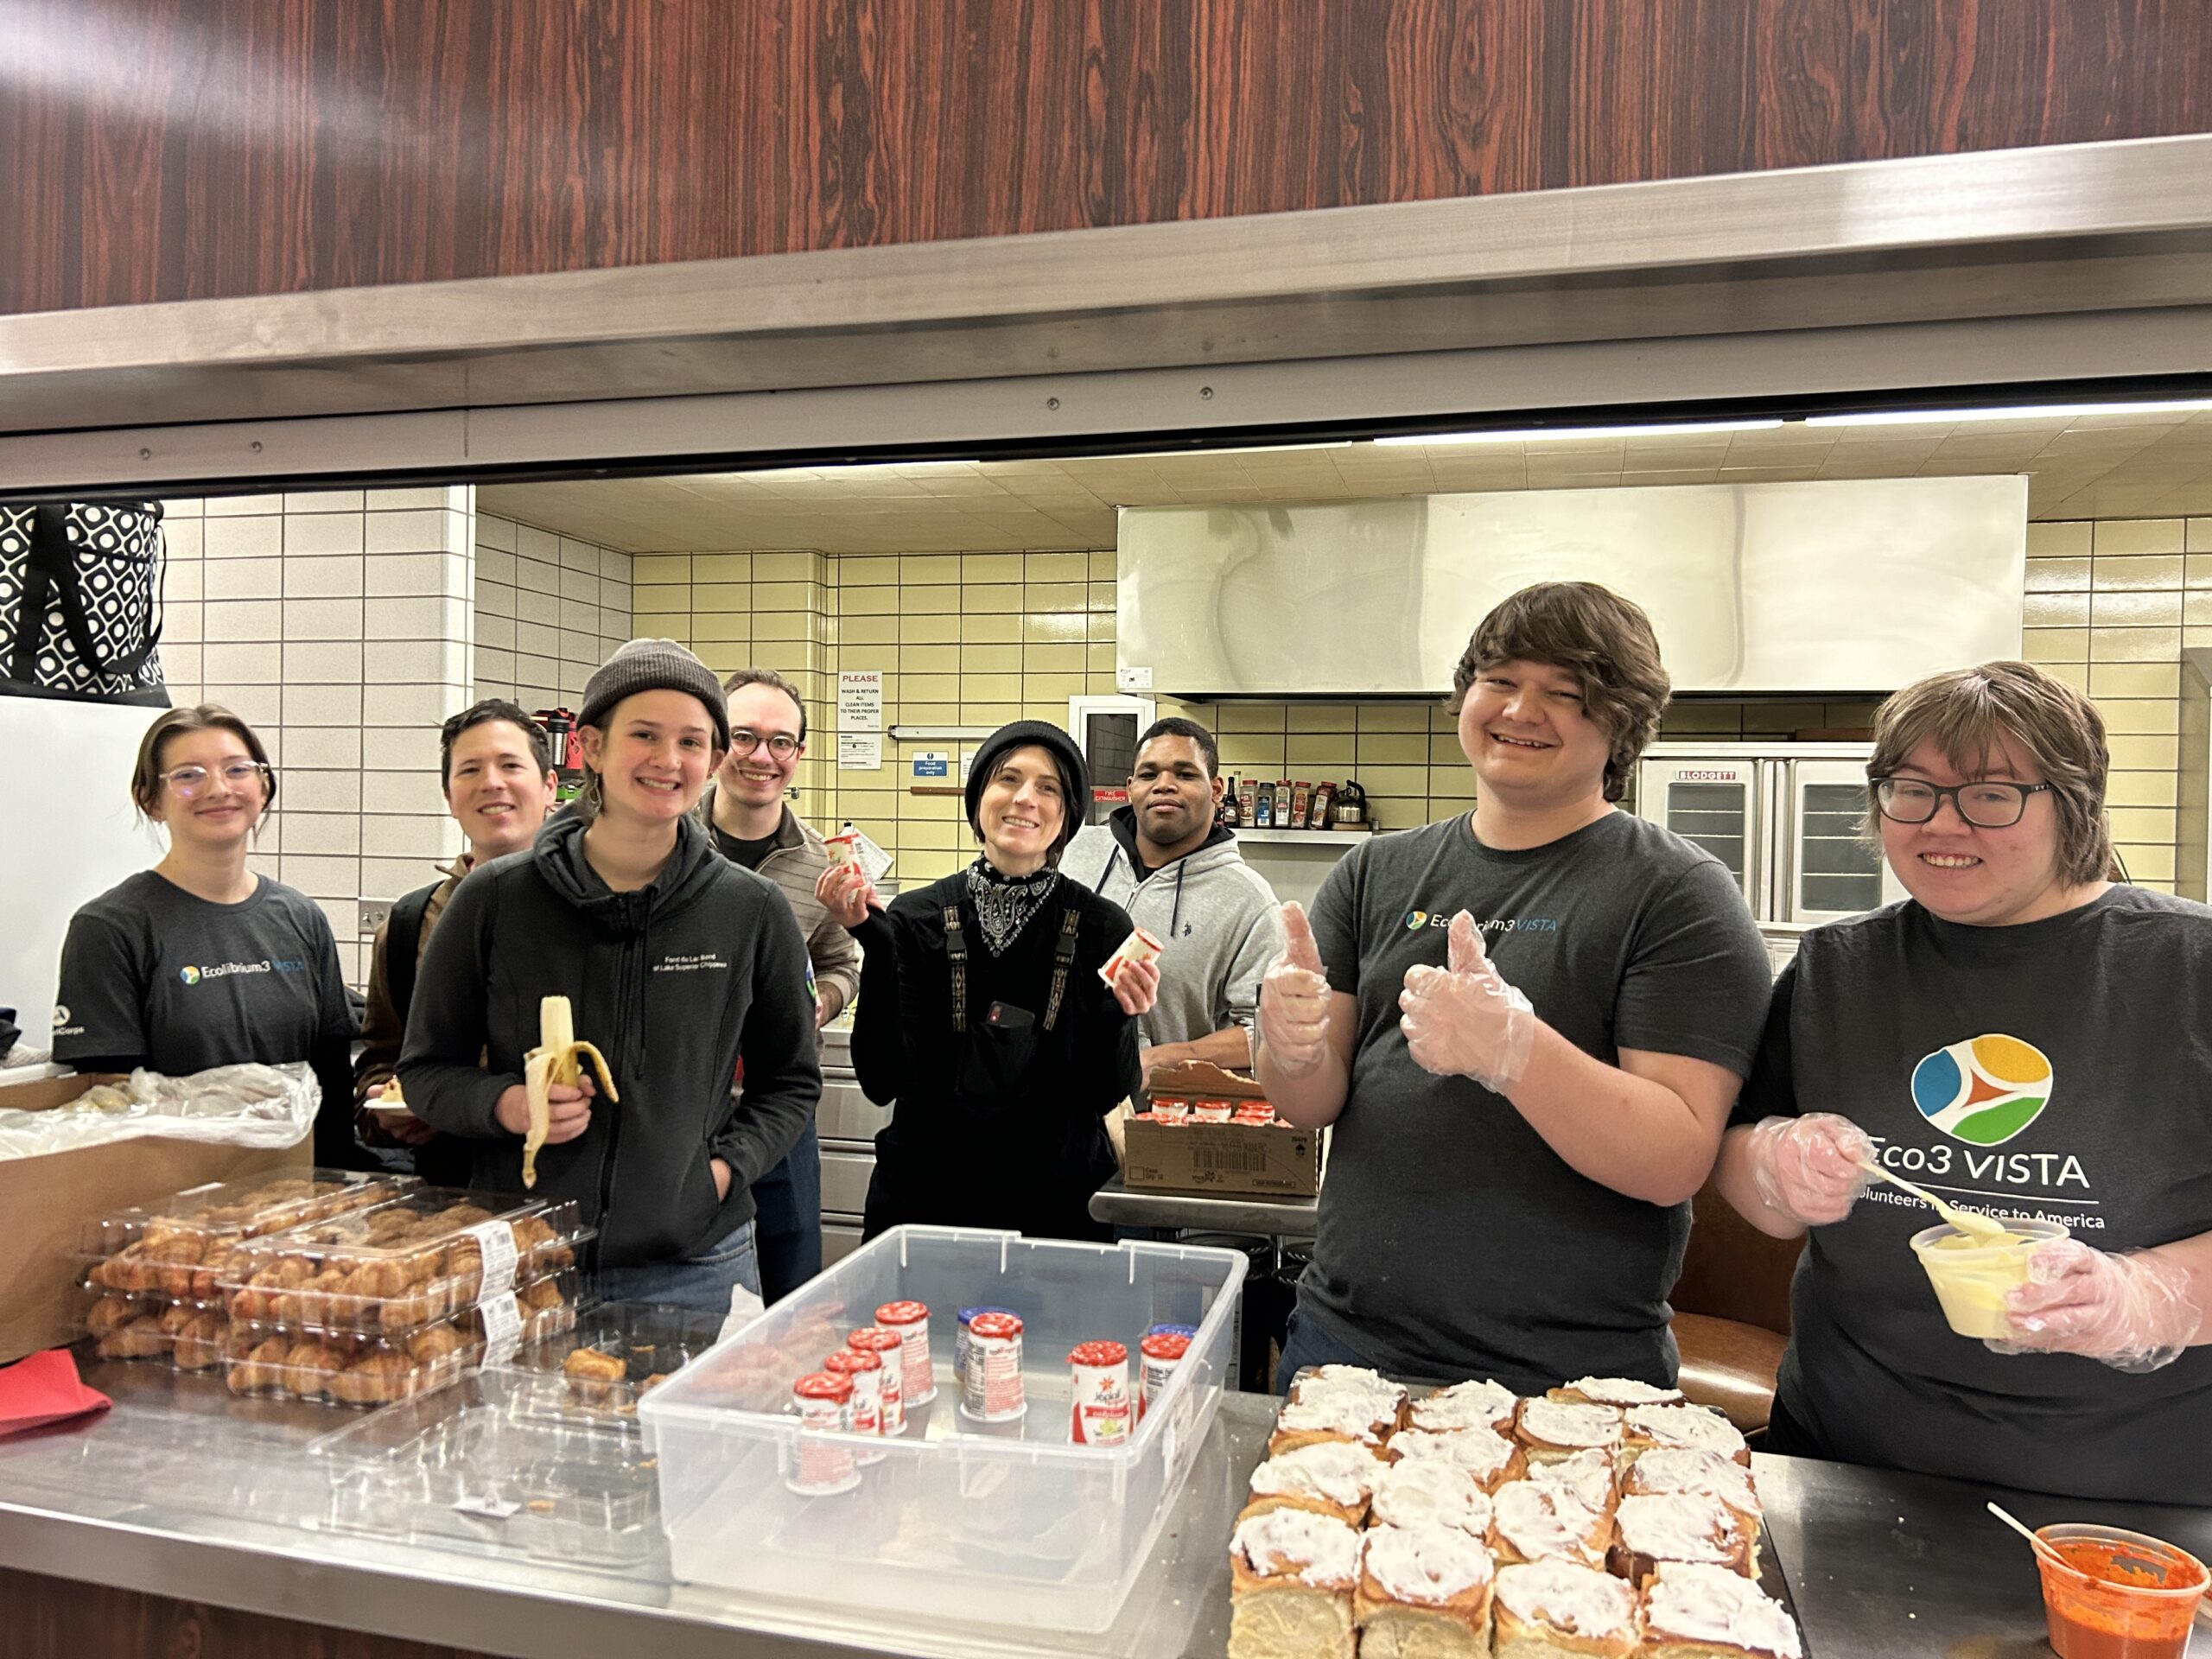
43 1390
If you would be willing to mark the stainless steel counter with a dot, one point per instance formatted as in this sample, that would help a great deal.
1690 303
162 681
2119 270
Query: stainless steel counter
1262 1218
183 1491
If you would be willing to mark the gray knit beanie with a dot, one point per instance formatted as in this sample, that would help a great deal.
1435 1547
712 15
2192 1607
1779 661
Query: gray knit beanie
653 665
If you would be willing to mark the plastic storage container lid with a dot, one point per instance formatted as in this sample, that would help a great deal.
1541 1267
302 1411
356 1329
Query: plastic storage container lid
499 1455
404 1264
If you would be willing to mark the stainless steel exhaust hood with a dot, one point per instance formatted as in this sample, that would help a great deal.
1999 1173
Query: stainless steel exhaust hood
1838 586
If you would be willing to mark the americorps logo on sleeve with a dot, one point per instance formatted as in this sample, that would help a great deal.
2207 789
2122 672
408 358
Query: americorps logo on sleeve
1984 1090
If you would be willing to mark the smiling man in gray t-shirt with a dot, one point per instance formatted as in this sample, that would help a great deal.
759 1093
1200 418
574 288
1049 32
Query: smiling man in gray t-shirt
1525 1101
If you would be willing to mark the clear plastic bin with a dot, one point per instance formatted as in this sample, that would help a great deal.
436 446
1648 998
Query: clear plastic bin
497 1461
400 1265
1002 1524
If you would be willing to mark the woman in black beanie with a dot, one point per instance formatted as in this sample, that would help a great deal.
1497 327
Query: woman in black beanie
983 1020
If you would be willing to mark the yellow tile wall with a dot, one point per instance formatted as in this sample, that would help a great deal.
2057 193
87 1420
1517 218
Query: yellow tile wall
2110 606
755 609
977 639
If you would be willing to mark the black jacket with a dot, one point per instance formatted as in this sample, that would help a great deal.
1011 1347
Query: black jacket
674 983
997 1127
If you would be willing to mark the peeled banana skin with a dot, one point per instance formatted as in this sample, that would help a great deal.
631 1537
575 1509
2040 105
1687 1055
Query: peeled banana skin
557 1060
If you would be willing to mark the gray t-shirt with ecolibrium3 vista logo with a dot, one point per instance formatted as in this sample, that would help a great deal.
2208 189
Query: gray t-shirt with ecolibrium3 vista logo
2056 1071
150 970
1453 1242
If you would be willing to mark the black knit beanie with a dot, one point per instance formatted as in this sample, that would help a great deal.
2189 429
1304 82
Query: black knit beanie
653 665
1075 776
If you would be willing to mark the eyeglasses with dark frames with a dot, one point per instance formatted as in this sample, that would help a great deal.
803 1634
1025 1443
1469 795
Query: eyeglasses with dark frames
1986 805
783 744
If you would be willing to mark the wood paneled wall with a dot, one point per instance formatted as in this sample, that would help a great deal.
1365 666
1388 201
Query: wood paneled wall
183 148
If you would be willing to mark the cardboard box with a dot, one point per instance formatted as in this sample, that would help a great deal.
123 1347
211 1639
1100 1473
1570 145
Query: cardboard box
44 1202
1257 1160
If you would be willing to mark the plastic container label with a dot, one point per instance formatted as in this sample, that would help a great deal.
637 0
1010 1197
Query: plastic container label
502 1327
497 1240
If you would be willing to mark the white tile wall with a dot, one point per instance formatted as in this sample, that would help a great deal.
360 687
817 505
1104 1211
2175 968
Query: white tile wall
549 609
341 624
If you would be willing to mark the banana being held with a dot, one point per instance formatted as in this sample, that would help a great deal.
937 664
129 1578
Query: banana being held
558 1060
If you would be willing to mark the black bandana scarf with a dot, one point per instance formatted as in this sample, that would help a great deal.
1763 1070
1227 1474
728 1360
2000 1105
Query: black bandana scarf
1004 902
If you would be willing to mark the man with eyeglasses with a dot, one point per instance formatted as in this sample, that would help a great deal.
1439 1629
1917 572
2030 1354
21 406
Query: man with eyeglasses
2020 1037
753 825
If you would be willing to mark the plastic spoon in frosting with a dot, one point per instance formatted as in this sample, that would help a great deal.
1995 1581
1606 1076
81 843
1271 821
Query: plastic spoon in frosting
1965 1220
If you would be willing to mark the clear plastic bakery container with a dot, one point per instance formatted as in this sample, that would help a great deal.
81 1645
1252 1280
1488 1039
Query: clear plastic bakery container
613 1356
402 1264
1002 1524
357 1368
183 1244
496 1461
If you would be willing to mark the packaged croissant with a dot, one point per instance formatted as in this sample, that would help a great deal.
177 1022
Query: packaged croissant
181 1246
346 1368
424 1255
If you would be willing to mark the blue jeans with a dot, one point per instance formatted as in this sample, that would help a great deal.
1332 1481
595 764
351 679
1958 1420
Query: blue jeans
787 1219
701 1282
1308 1344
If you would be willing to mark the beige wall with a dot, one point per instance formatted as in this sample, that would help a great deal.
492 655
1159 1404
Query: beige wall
337 624
976 638
549 609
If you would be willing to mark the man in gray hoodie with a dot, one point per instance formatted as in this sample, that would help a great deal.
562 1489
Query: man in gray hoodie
1163 859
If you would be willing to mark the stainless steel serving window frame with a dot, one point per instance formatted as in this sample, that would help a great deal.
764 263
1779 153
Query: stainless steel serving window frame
1823 285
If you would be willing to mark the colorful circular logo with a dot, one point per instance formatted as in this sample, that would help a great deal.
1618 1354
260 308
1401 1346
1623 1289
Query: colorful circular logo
190 976
1414 918
1985 1090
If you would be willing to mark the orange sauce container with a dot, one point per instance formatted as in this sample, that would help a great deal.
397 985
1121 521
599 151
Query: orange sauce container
2119 1595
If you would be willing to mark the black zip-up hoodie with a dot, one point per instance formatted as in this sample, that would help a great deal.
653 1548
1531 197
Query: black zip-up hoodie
674 983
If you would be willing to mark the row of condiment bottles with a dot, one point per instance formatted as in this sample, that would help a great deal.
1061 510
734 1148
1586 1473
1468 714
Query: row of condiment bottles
1288 804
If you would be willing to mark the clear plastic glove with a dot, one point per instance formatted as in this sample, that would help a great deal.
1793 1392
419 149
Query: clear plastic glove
2135 1313
1293 1012
1464 1020
1809 1168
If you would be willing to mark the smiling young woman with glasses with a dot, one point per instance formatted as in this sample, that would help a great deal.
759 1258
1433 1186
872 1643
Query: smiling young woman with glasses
2021 1037
201 962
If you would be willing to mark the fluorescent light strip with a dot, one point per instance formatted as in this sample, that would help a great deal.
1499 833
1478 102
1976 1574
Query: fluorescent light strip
2018 412
1205 454
1540 434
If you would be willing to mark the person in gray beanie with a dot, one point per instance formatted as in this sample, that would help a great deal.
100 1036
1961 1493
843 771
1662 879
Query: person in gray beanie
983 1021
678 964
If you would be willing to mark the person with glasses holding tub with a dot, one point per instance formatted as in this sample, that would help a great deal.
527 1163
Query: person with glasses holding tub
200 962
753 825
2026 1038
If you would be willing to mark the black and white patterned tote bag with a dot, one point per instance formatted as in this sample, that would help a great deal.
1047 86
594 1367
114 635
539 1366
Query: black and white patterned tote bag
81 591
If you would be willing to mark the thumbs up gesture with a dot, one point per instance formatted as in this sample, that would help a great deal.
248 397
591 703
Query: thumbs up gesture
1293 1014
1463 1020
